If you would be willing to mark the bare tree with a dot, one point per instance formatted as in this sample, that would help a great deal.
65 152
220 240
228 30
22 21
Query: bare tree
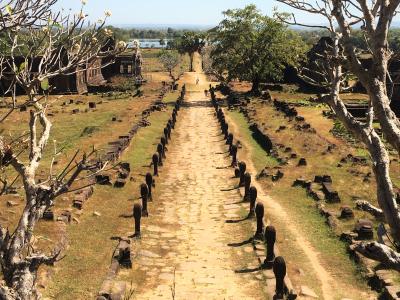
375 18
170 59
17 14
61 45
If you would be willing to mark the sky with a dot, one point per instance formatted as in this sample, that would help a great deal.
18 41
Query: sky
185 12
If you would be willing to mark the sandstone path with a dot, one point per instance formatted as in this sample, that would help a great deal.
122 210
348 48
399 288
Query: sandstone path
187 248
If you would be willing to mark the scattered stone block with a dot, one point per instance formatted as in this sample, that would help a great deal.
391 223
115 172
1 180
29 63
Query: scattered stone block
48 215
120 183
103 179
364 229
346 213
302 162
330 194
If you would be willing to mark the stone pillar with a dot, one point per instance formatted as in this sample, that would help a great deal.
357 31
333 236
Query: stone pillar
150 183
169 130
229 140
234 154
270 239
166 135
163 142
144 193
160 150
137 214
155 164
260 221
279 268
247 182
242 169
225 130
253 199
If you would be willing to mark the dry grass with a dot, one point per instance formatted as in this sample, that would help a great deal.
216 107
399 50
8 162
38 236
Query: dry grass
90 241
300 208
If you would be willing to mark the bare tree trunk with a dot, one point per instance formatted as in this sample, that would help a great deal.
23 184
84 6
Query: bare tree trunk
191 56
385 192
255 87
389 122
367 134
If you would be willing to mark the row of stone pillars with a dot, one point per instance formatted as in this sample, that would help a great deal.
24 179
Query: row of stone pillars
256 209
140 209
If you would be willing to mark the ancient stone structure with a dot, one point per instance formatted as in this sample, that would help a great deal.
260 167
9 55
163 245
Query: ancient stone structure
242 170
166 135
160 150
150 184
279 268
253 199
270 239
137 215
346 212
229 140
155 164
163 142
144 193
247 182
234 155
364 229
260 221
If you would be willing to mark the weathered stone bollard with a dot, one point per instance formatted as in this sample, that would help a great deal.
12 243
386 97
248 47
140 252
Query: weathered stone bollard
150 184
155 164
270 239
229 139
169 130
260 221
144 193
247 182
163 142
225 130
174 119
242 170
160 150
279 269
253 199
166 135
137 214
234 154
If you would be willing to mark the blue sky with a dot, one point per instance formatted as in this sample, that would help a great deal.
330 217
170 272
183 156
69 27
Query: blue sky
200 12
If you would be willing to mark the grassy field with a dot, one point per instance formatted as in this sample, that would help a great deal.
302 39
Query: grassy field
90 241
348 180
301 210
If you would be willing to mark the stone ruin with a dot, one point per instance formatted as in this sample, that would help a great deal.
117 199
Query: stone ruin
81 196
319 189
259 235
122 174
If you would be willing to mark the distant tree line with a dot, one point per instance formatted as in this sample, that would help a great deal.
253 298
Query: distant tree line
310 37
135 33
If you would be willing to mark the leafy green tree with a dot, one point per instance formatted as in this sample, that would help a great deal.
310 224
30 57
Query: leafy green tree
190 42
252 47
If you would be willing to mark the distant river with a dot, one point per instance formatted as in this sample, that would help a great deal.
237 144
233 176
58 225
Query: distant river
150 43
